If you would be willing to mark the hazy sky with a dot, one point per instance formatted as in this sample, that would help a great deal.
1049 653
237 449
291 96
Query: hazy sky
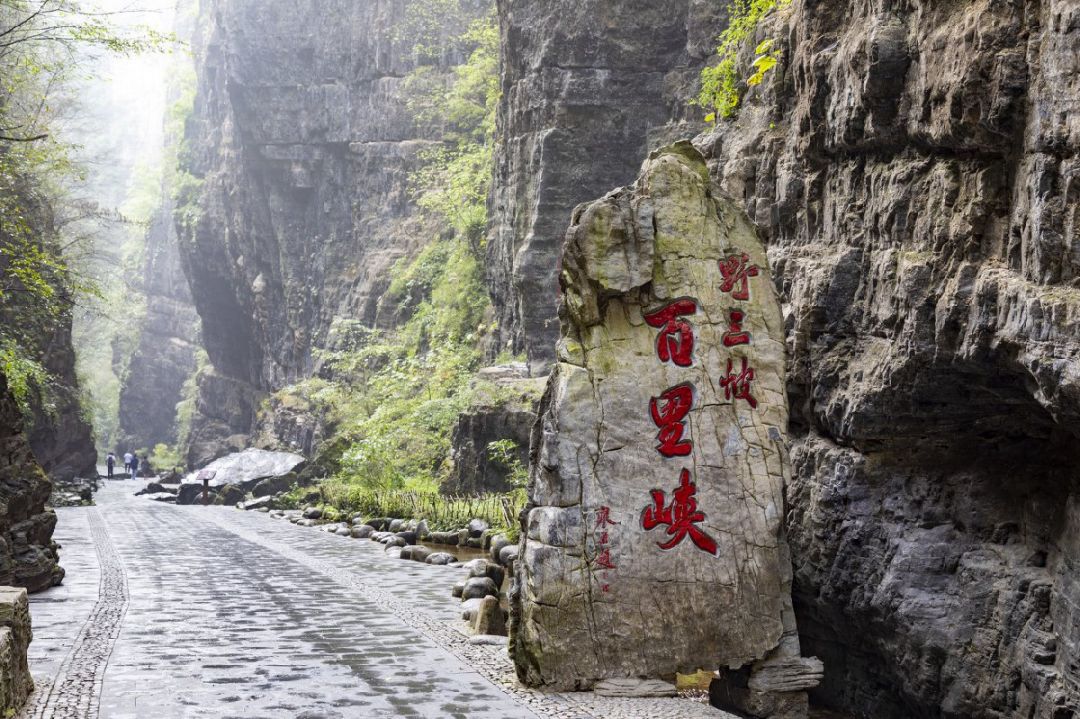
121 109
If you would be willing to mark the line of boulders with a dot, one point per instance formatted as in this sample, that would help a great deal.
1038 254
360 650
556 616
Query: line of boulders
163 488
170 489
254 479
480 590
481 599
74 492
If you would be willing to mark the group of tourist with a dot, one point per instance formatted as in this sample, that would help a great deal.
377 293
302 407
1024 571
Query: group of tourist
131 464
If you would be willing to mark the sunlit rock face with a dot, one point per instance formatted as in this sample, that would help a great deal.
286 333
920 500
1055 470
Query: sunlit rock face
246 469
588 88
303 144
915 169
654 538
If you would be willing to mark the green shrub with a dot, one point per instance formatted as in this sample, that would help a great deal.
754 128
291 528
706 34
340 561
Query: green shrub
721 88
442 513
26 377
166 458
392 396
505 452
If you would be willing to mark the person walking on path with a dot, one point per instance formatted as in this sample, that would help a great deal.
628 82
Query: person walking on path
127 462
146 466
110 462
134 467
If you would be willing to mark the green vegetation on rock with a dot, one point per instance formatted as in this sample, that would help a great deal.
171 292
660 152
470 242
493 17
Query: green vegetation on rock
455 180
391 397
721 86
49 232
45 228
442 513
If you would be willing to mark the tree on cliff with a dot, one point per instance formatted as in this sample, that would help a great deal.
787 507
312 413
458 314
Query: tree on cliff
44 44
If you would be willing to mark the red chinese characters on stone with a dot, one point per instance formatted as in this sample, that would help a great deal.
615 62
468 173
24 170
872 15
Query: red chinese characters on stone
737 386
668 412
603 560
681 516
736 335
737 271
603 521
675 343
603 517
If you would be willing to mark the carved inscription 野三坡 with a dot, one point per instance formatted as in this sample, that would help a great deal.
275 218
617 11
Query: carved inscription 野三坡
670 410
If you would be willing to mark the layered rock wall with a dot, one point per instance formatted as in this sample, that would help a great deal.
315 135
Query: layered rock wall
62 439
28 556
588 88
302 145
914 167
164 358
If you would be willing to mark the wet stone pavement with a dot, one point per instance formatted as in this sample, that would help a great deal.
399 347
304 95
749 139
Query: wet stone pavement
211 612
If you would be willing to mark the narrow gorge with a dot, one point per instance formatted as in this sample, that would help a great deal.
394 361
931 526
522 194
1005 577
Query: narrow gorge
419 247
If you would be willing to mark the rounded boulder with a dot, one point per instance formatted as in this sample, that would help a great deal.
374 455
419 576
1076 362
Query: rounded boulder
416 553
478 588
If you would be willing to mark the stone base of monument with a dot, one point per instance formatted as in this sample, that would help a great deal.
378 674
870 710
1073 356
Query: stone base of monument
15 635
771 689
636 688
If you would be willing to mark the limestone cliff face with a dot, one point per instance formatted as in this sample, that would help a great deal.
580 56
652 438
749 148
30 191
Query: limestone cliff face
915 169
303 145
165 356
28 556
62 440
588 87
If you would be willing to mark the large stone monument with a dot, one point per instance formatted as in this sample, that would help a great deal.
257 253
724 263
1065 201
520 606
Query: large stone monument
653 542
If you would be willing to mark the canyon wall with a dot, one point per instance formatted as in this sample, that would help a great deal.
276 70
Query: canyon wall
28 556
61 438
587 89
914 169
301 146
57 431
164 358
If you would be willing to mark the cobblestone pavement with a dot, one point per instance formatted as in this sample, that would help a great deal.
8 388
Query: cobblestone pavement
212 612
76 686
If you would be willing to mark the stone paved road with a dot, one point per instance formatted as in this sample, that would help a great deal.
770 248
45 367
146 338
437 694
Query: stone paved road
211 612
